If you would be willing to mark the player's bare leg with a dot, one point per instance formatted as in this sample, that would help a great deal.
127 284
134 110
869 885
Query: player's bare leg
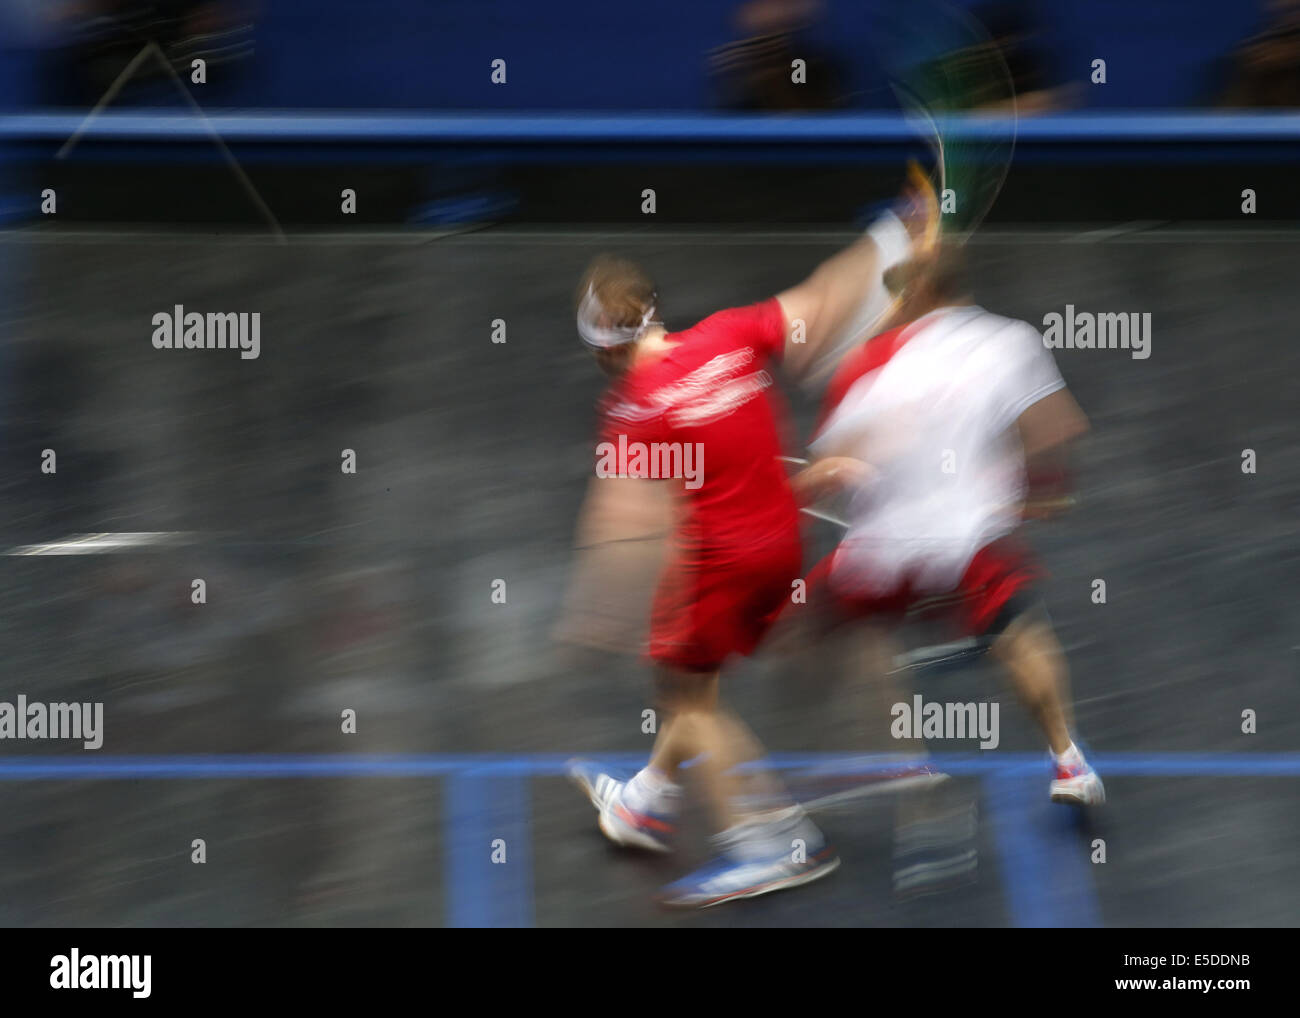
1035 665
720 748
935 844
765 841
694 730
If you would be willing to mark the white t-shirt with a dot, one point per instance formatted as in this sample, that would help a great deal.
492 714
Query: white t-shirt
935 421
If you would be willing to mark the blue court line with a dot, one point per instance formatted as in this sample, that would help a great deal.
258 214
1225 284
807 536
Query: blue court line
296 126
488 851
91 766
486 798
1044 862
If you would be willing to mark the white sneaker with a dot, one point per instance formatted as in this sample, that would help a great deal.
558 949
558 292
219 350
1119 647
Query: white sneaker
619 823
1077 785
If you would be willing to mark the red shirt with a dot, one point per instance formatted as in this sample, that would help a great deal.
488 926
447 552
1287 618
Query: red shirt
713 392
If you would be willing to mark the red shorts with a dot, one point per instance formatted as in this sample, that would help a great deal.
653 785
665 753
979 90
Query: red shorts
705 613
996 575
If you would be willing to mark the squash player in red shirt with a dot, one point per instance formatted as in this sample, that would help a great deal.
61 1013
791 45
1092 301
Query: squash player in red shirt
697 408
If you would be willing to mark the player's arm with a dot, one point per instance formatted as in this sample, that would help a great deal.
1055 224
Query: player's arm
828 476
819 307
619 553
620 509
1047 428
620 505
837 464
818 310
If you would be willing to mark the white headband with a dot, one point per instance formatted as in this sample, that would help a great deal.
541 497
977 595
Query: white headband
602 337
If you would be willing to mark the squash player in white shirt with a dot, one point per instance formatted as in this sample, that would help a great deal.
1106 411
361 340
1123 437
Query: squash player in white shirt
945 432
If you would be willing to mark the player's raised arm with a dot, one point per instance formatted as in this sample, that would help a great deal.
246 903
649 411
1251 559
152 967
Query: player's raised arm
845 296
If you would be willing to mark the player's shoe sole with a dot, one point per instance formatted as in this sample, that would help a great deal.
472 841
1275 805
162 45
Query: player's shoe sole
1085 790
618 826
816 871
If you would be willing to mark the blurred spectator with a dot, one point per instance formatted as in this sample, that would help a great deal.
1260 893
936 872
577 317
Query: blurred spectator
1266 68
1012 31
988 58
99 38
757 71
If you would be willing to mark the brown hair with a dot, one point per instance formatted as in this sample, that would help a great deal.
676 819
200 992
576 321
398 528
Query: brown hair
625 290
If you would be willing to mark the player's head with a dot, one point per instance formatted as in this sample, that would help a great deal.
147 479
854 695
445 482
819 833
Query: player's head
615 304
933 278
